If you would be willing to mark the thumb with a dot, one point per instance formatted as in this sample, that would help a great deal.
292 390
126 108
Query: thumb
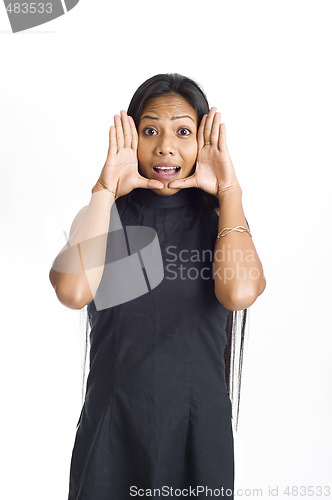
144 183
183 183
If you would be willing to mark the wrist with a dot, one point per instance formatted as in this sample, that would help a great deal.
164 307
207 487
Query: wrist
232 191
100 187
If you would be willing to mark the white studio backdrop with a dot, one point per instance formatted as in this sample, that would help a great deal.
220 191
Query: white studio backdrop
265 65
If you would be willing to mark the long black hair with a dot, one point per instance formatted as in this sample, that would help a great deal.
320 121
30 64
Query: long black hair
170 84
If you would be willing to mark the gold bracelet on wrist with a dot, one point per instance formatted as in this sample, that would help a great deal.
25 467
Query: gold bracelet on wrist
102 189
227 230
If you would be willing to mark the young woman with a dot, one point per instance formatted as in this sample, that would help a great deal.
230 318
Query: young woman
157 412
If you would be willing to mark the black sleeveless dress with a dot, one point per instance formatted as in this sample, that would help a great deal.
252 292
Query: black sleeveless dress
156 412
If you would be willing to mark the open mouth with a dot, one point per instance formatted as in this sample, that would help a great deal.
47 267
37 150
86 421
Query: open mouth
166 172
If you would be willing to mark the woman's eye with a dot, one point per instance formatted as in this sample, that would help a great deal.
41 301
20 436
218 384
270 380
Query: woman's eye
187 129
150 131
147 130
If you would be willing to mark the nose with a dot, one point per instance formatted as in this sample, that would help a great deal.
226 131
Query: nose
165 146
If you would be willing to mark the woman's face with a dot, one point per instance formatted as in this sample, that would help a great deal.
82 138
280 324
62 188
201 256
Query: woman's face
165 135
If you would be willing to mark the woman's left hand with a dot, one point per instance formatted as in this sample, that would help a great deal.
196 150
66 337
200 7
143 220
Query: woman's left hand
214 168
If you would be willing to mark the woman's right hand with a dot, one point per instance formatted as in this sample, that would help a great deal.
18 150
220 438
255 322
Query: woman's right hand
120 173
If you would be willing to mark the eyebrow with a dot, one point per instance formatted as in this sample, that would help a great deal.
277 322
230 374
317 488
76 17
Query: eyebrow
173 117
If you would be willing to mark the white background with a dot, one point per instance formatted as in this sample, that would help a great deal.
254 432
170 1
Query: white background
266 66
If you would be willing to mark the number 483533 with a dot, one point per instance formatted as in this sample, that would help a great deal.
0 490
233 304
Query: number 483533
29 8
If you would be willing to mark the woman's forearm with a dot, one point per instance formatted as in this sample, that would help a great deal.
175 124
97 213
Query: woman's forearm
77 270
238 272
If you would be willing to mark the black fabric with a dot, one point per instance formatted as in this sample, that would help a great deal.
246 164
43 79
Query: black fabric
156 412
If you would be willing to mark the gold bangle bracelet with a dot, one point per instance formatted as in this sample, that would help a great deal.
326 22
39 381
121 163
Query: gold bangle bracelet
227 230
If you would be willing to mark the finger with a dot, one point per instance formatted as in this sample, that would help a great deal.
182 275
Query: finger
119 132
134 135
126 129
222 137
184 183
200 133
208 124
112 146
215 129
143 182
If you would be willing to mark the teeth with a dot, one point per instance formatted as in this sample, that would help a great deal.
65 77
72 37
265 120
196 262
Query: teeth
166 168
